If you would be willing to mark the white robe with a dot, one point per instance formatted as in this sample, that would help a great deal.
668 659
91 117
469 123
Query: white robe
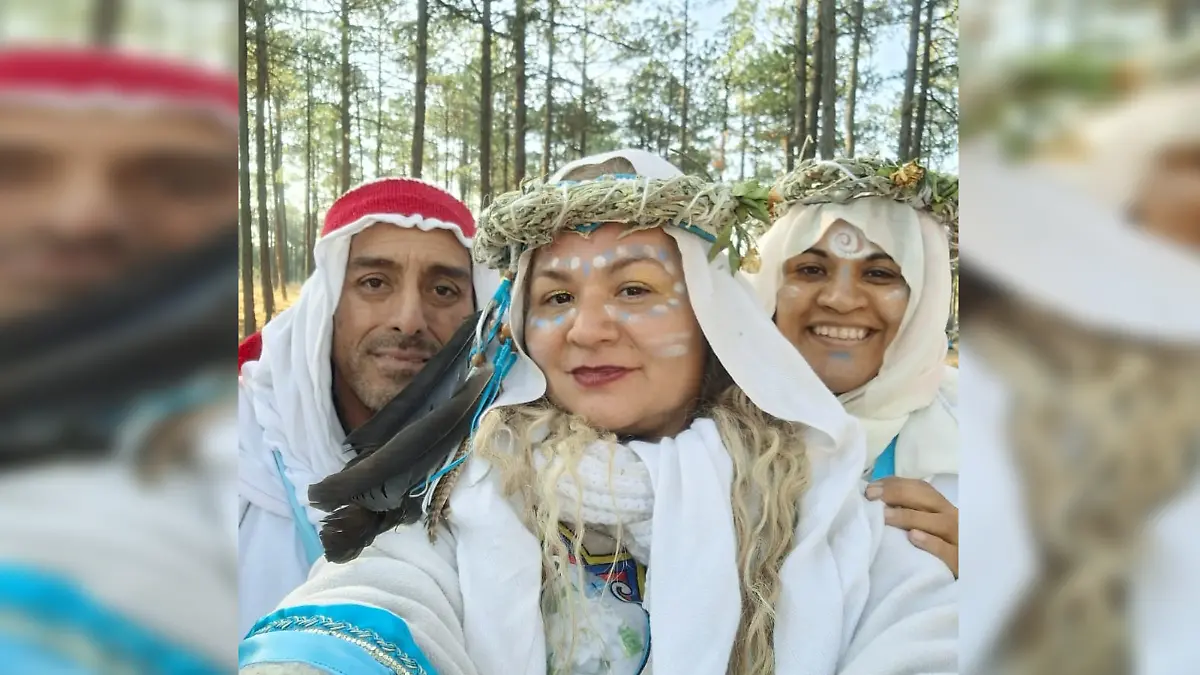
1000 566
159 553
286 407
862 599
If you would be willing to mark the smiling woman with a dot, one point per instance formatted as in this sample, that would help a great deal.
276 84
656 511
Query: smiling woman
860 284
841 303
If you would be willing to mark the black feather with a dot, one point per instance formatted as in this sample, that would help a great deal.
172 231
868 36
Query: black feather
382 480
401 410
350 529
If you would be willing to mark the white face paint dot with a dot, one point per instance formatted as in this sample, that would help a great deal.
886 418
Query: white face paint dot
575 263
554 263
599 261
674 302
673 351
622 252
679 287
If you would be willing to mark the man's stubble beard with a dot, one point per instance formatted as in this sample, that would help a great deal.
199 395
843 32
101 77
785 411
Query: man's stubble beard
376 392
376 396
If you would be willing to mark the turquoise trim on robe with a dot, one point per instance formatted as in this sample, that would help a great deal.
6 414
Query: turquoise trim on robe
328 653
305 530
42 613
885 464
353 625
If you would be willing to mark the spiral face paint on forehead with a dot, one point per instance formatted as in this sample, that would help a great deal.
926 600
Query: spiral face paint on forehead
848 242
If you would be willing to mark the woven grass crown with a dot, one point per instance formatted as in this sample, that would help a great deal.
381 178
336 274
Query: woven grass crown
842 180
529 218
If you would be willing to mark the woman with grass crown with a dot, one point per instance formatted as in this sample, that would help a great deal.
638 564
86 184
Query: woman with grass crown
856 275
661 484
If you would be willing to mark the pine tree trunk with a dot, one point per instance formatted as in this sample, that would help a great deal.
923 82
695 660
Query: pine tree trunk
583 93
361 164
519 77
446 138
815 89
918 136
464 160
418 137
310 230
904 151
799 116
260 140
379 99
345 90
548 130
687 57
485 109
106 21
829 72
249 323
1178 15
852 80
281 248
507 140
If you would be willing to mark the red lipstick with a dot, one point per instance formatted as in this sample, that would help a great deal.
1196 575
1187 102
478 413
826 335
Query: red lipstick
598 376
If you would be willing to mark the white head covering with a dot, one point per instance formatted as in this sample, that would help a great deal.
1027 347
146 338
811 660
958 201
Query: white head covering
1026 255
290 386
499 559
784 390
915 391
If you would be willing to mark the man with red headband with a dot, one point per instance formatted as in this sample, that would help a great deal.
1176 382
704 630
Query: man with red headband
392 283
118 203
107 162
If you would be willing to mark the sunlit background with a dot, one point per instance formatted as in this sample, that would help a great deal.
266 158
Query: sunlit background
203 31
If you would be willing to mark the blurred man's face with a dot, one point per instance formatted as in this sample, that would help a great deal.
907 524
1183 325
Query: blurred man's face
90 194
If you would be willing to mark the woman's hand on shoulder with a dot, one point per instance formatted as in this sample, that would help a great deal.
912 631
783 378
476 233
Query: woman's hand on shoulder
930 518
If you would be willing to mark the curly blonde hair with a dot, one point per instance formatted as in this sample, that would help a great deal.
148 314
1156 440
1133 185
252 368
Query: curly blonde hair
771 475
1104 433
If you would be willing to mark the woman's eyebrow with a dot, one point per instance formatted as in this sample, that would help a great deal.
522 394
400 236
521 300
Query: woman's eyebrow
561 273
879 255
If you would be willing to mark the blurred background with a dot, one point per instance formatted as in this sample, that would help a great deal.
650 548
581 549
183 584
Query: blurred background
118 208
1080 170
1080 363
198 31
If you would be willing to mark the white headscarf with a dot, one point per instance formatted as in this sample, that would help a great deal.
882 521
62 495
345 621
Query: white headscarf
290 386
693 628
915 392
